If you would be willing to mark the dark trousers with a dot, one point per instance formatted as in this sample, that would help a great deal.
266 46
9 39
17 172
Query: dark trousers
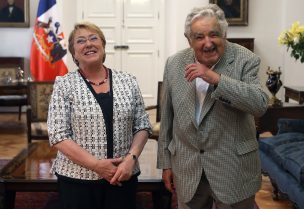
83 194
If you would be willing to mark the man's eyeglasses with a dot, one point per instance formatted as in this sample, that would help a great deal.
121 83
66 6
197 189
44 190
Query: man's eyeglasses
83 40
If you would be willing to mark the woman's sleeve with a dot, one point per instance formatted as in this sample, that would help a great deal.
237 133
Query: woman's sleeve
141 118
59 114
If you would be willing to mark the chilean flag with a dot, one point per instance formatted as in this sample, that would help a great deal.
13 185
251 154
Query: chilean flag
48 52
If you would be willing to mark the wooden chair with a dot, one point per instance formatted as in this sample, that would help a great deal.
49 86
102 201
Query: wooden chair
12 93
156 125
39 95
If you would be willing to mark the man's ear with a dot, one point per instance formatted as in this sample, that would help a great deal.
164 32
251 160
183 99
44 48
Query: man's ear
188 39
225 35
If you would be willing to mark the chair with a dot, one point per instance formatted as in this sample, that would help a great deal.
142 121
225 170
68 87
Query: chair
39 95
12 93
156 125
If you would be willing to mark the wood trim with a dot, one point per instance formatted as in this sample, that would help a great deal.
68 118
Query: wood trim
246 42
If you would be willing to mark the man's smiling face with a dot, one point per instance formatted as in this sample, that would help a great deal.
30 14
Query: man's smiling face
207 40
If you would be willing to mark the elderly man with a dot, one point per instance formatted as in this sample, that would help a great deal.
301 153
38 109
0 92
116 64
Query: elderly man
207 146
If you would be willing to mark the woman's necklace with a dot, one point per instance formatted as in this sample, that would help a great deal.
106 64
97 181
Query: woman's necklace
93 83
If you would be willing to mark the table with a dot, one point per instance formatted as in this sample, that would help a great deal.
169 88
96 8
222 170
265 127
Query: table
268 122
29 172
13 87
295 93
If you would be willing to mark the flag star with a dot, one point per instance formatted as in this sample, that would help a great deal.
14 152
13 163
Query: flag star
50 39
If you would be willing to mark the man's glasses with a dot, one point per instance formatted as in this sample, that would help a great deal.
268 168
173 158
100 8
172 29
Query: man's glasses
83 40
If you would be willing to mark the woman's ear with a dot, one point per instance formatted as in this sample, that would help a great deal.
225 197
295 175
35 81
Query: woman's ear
75 61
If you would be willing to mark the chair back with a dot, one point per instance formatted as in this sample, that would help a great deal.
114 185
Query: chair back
39 95
12 92
9 67
157 107
7 73
159 100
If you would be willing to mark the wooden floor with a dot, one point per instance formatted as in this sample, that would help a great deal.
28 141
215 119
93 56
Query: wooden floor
13 140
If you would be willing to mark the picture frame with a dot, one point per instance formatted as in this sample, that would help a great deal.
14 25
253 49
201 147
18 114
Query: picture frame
236 11
14 13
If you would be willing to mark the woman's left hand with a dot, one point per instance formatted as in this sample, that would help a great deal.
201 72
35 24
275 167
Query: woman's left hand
124 170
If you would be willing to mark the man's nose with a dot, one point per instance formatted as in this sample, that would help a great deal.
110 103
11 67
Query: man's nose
208 41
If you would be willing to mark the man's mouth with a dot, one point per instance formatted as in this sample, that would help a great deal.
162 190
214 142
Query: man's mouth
210 49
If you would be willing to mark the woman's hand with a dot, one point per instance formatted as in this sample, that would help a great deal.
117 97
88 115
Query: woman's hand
106 168
124 170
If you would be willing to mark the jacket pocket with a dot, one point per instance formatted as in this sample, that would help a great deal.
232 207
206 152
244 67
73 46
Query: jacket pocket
247 146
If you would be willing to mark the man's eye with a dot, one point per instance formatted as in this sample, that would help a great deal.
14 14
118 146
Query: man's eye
214 35
199 38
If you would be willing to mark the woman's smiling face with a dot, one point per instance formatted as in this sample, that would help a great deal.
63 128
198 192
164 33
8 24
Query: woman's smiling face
88 47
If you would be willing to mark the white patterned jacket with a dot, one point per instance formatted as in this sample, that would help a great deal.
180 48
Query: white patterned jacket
75 114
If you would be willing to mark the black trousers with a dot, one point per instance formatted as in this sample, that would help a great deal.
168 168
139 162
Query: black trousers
100 194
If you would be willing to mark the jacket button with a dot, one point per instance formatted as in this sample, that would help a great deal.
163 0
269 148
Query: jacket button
202 151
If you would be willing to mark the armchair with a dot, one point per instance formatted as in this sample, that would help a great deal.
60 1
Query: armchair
39 95
11 93
156 125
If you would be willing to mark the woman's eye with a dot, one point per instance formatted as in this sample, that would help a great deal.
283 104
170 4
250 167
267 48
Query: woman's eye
80 41
94 38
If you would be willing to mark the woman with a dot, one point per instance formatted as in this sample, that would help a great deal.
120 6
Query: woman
99 126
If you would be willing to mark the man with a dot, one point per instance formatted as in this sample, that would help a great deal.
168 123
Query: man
207 146
11 13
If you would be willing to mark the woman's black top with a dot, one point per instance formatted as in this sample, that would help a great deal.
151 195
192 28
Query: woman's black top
105 101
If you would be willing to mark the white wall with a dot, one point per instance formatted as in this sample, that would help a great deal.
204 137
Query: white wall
265 24
266 20
293 71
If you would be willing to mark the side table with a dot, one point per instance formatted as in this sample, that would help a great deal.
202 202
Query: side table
295 93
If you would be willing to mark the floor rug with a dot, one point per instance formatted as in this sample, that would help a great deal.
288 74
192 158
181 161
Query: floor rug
49 200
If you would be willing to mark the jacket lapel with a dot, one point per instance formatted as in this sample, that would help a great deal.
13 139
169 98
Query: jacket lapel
188 94
223 67
190 100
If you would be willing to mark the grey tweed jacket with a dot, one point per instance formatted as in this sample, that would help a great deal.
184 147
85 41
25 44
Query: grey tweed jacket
224 144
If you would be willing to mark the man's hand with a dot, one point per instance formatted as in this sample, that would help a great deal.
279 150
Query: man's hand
168 180
196 70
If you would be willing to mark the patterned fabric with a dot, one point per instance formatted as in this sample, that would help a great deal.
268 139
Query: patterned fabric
75 114
40 95
6 73
224 144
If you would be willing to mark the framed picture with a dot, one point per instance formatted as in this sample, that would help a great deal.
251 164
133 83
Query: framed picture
14 13
236 11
